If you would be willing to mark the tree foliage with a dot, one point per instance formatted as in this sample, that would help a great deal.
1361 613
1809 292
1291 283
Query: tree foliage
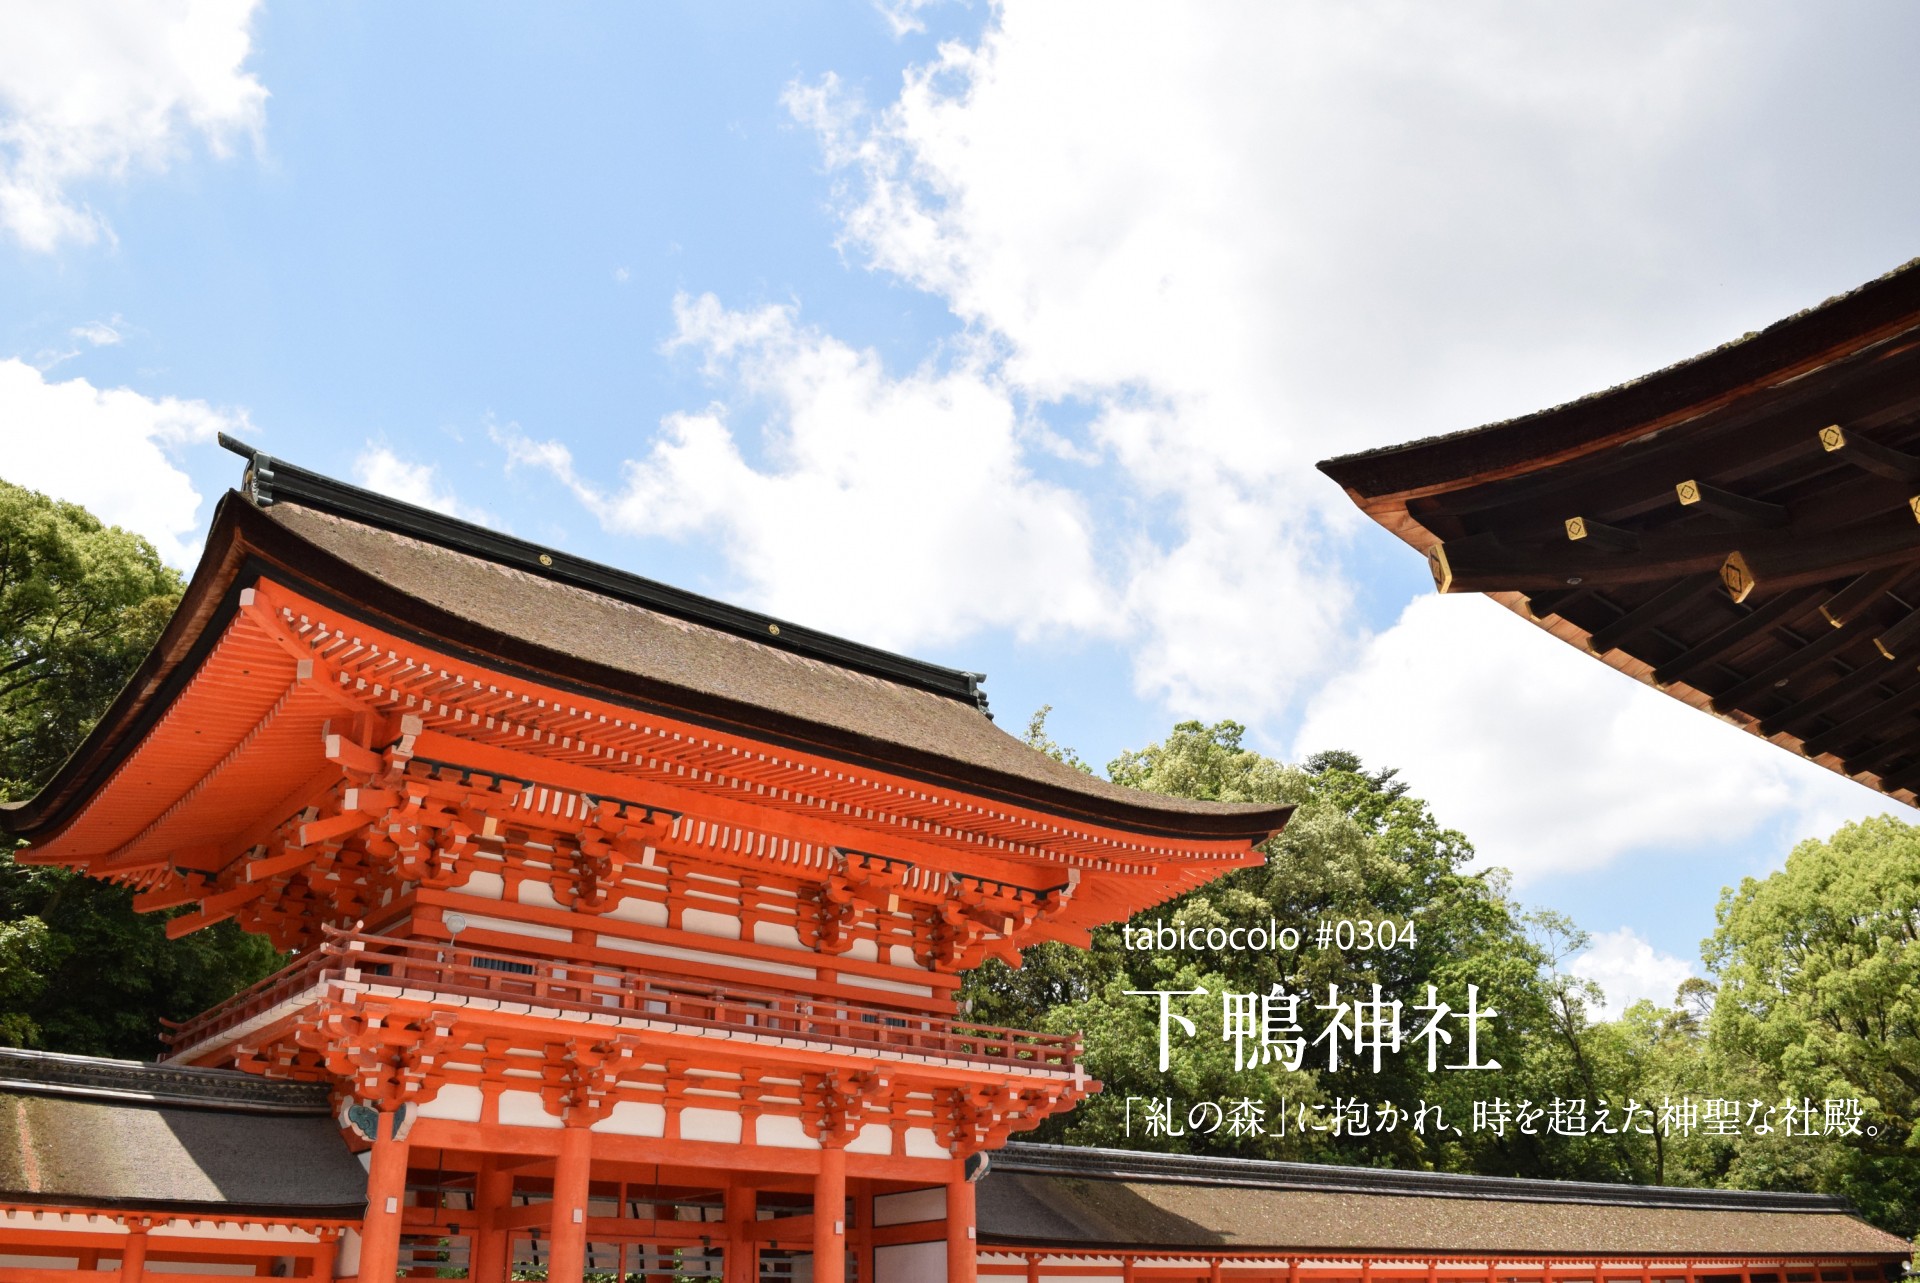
81 603
1819 998
1814 995
1359 847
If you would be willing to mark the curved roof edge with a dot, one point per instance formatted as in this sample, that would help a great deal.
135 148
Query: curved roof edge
1027 1158
49 1073
245 541
1880 309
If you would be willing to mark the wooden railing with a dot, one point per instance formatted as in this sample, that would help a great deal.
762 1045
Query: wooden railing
452 973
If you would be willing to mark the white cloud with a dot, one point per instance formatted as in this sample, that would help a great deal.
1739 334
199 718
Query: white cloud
98 333
377 467
111 449
903 16
1261 236
1259 212
1628 969
853 478
1550 761
92 89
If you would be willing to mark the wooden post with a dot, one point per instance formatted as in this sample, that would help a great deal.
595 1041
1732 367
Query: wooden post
386 1200
491 1242
829 1217
963 1253
860 1231
567 1251
1033 1269
742 1259
133 1256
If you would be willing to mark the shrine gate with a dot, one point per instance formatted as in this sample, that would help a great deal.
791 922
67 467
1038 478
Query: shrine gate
626 931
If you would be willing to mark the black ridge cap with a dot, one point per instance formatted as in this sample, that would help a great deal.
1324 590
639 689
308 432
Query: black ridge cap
270 480
1027 1158
1885 301
138 1082
196 629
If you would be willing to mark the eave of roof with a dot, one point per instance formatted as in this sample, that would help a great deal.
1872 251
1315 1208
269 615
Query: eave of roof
113 1134
46 1073
1799 343
246 541
1747 423
269 481
1100 1201
1191 1169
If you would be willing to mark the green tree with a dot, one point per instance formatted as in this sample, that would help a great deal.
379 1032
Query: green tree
81 603
1359 847
1819 998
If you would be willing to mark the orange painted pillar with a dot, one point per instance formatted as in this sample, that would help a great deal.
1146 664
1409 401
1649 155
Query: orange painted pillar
829 1217
386 1199
567 1252
963 1253
860 1231
742 1261
492 1197
133 1256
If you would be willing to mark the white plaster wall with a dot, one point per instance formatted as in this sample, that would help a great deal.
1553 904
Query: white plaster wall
639 909
346 1261
61 1220
705 955
915 1205
783 1131
779 934
457 1101
890 986
710 1124
634 1118
507 926
910 1263
874 1138
526 1109
705 922
483 885
921 1143
234 1231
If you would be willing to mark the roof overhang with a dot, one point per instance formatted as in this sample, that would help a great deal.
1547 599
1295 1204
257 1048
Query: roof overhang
1741 530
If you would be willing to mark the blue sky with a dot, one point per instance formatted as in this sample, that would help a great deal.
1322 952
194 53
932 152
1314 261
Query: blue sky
1005 335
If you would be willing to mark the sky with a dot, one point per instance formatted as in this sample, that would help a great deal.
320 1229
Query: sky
1003 335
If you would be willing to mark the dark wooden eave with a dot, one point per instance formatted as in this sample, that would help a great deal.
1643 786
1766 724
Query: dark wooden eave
1741 530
